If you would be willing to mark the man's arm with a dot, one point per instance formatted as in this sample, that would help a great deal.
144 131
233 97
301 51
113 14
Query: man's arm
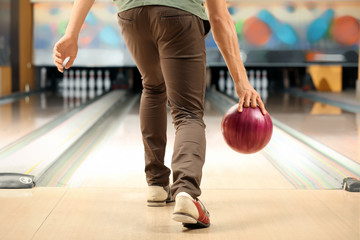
79 12
225 36
67 45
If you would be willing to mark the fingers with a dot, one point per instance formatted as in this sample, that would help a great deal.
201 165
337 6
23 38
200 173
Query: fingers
241 100
58 60
70 62
262 106
251 100
59 64
247 100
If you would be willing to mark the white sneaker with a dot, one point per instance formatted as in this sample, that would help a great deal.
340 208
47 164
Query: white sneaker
158 196
192 213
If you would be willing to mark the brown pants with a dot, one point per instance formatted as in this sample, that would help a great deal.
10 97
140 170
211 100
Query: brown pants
168 47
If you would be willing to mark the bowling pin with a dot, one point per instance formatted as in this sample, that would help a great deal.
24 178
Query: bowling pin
71 102
71 94
258 80
92 80
83 95
221 82
71 79
43 101
65 80
264 95
77 98
43 78
77 80
252 78
91 93
229 84
99 81
65 97
83 80
77 93
107 81
264 80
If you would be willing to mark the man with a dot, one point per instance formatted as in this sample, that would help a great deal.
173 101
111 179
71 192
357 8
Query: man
167 41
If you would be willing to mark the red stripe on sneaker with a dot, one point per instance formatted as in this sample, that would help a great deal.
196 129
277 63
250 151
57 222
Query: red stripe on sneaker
202 216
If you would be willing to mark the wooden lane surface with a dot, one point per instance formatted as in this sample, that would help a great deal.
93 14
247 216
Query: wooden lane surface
121 213
119 161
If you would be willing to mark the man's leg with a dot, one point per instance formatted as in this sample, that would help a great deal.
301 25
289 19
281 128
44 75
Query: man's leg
183 62
153 116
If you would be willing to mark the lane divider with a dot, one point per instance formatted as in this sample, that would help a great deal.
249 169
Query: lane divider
61 172
37 156
27 139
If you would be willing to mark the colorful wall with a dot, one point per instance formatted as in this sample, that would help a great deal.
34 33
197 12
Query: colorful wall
269 32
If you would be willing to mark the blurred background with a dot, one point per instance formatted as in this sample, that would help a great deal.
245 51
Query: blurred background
297 43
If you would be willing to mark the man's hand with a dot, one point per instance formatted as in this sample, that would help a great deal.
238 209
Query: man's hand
66 47
249 97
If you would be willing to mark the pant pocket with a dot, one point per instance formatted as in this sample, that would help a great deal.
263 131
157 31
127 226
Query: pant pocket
128 16
207 27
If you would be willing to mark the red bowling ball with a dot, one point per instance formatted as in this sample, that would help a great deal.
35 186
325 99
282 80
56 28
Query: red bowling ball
248 131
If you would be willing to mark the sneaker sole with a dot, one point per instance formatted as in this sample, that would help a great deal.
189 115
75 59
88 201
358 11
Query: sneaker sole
158 203
184 218
189 221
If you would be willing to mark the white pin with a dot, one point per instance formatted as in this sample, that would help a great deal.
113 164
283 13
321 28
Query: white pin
77 98
65 81
107 81
43 78
71 94
71 79
91 93
221 82
229 84
92 80
83 80
264 95
77 80
71 102
264 80
65 94
99 81
77 93
258 80
43 100
252 78
83 95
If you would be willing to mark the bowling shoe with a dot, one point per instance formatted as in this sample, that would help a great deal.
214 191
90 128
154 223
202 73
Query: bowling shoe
192 213
158 196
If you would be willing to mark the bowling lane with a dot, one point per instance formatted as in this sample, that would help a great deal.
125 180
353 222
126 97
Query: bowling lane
21 117
330 125
117 160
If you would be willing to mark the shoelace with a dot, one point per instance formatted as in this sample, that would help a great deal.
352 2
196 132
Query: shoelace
203 207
